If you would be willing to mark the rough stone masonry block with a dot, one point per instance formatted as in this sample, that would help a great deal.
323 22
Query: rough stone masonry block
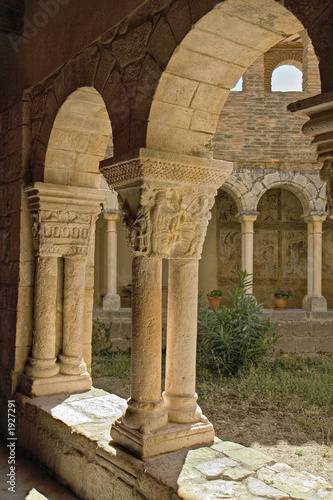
98 482
122 491
176 90
322 329
162 43
238 30
165 138
209 97
172 114
204 68
219 47
305 345
324 344
204 121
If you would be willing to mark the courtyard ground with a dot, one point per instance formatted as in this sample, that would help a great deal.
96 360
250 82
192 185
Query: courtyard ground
284 408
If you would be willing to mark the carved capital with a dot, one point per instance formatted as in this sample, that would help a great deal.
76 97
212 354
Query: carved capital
165 200
63 218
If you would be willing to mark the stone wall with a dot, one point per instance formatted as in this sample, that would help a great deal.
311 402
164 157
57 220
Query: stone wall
302 332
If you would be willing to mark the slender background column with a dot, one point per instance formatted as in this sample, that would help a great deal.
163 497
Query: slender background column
111 301
247 220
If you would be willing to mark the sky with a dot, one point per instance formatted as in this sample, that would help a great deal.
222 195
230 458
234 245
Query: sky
284 78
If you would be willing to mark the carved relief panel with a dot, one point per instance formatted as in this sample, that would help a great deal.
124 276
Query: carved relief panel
170 222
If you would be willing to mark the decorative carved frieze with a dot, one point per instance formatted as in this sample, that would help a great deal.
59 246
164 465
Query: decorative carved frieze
165 200
63 218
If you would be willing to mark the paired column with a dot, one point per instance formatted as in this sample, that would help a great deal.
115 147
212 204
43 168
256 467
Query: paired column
180 396
314 301
111 301
165 200
63 220
71 362
145 410
247 220
42 363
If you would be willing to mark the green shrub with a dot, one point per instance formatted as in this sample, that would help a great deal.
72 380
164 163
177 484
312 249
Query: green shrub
231 337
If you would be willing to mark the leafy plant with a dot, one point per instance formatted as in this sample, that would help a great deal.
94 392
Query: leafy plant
231 337
283 294
215 293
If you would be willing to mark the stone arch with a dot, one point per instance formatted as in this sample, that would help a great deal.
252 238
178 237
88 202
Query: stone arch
236 191
78 141
207 63
312 197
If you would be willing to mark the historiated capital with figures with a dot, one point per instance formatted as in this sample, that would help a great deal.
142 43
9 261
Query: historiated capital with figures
165 199
63 218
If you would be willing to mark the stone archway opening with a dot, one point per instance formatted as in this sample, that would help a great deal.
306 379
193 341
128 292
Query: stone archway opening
280 247
64 208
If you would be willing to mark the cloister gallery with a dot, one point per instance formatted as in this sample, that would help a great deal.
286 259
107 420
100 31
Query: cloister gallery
120 141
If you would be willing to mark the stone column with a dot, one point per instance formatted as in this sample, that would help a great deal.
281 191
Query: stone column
247 220
111 301
145 410
42 362
71 362
64 218
314 301
180 396
319 111
165 200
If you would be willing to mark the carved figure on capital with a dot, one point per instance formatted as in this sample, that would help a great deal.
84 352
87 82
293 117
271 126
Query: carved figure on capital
169 222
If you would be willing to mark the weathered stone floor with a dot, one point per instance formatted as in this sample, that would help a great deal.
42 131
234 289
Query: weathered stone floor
223 470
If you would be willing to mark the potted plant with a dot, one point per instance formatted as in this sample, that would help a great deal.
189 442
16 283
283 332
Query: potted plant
281 297
214 299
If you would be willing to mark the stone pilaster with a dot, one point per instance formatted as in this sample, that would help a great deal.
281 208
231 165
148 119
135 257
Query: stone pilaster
165 200
247 220
64 219
111 301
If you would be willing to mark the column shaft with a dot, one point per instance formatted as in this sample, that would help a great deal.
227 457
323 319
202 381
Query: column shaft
247 220
317 257
43 361
180 396
71 362
111 300
310 259
145 408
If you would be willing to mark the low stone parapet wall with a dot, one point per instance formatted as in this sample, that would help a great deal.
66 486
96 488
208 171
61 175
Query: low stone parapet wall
302 332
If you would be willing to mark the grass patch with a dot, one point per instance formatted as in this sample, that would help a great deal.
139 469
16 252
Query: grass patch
288 398
111 364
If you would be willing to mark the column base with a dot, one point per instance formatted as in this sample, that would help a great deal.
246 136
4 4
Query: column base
314 303
111 302
42 368
183 410
72 365
35 387
169 438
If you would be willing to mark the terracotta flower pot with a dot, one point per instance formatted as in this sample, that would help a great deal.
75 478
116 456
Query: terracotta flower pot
214 302
280 304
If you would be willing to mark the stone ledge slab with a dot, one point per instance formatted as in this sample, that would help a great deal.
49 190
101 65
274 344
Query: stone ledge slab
70 435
